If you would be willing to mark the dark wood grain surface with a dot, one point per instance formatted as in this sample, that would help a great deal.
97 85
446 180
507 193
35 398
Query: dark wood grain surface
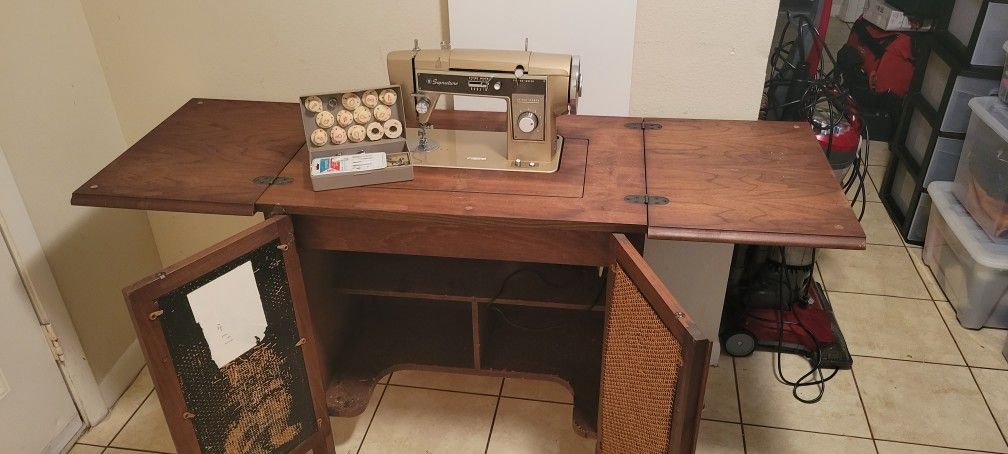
202 159
614 167
727 181
753 182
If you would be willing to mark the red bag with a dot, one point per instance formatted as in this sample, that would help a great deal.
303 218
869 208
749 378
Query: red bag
887 57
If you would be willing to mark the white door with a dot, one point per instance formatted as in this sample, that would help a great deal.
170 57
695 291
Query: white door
37 414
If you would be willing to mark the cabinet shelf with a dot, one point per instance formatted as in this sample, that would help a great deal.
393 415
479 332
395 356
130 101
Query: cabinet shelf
441 279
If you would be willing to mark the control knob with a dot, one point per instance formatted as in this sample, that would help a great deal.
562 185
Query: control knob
527 122
423 105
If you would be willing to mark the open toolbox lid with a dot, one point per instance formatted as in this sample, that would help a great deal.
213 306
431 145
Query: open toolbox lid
210 156
755 182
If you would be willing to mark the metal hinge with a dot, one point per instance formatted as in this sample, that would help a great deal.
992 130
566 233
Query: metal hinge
646 199
268 180
54 343
643 125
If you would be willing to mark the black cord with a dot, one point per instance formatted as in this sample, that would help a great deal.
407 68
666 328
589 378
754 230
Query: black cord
816 368
500 291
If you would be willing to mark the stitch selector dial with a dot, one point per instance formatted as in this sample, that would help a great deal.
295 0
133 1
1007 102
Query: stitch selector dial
527 122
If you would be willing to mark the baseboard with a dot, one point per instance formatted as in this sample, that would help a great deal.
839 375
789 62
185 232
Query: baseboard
122 373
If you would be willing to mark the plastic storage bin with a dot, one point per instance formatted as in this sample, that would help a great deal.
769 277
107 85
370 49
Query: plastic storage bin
948 89
1003 91
979 27
981 181
971 269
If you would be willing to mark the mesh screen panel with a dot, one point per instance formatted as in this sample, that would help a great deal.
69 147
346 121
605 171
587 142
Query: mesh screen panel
260 402
640 368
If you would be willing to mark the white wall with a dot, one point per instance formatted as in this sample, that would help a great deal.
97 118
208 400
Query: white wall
157 55
58 127
701 59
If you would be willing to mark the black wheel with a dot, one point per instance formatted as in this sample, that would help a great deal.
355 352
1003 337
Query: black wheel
740 343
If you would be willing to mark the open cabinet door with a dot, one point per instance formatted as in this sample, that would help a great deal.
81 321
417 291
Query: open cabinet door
229 344
654 363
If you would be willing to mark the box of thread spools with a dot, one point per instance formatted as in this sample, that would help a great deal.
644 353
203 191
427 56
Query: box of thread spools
356 138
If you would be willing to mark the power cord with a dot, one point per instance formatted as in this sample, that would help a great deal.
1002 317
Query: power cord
500 291
815 371
822 92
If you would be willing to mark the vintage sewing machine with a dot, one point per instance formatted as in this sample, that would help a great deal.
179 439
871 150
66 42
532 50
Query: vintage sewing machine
538 87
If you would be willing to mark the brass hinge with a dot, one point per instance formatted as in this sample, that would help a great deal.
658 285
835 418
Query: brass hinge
54 343
646 199
268 180
642 125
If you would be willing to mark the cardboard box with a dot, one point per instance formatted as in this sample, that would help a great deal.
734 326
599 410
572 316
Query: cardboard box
885 16
383 158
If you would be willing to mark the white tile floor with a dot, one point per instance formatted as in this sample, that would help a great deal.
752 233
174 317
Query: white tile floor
920 383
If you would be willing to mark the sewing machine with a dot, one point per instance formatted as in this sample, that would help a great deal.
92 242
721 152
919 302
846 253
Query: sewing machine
538 87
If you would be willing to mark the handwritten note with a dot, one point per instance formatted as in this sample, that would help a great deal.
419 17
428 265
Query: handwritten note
229 310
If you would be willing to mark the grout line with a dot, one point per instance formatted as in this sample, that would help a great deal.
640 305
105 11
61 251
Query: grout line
132 450
371 420
993 416
766 426
937 446
738 401
719 420
529 399
975 382
128 420
864 409
910 360
500 390
879 294
452 390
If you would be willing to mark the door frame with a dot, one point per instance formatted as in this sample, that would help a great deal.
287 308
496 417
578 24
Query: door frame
17 231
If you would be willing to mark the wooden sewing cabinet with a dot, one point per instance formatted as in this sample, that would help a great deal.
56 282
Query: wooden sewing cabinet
502 273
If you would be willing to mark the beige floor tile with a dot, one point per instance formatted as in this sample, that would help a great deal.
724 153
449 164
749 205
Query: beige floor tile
348 433
763 440
994 386
878 270
878 228
876 174
836 37
980 347
123 451
85 449
450 381
719 438
103 432
765 401
146 430
871 193
721 398
426 420
528 388
529 427
897 328
931 404
878 154
891 447
929 280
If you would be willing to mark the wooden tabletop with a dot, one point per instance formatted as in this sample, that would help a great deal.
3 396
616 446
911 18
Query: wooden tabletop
203 158
739 182
745 182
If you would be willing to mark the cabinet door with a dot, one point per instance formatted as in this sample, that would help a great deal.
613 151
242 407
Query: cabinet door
654 363
229 345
